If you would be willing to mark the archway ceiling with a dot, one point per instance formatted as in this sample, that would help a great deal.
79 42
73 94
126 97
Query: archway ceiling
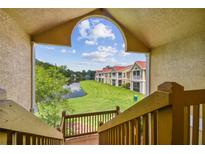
143 28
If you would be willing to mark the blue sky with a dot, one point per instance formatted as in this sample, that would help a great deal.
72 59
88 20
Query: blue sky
96 43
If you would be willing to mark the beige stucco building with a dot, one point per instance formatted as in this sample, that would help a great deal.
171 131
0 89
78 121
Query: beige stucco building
134 75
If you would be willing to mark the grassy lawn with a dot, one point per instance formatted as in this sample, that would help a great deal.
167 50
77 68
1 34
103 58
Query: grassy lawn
101 97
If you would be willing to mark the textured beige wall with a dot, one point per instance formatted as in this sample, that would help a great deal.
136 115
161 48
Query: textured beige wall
182 61
15 61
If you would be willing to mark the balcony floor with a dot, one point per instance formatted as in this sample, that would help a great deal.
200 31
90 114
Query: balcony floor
92 139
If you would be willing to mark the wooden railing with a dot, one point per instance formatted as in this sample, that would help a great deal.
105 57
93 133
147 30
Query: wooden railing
161 118
18 126
86 123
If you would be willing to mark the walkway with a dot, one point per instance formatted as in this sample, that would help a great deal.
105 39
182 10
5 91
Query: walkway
92 139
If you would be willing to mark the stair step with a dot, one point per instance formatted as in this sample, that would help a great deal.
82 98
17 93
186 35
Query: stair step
2 94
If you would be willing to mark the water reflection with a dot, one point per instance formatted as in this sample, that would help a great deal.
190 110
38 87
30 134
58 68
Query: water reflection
75 90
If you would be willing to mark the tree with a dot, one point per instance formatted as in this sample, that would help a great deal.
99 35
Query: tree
49 91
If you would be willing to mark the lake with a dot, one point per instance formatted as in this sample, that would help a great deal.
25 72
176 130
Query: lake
75 90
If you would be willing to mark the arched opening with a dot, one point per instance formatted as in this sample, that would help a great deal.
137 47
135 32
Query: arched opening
97 70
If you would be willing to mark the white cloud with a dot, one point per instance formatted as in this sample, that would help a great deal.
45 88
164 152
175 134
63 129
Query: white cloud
63 50
68 51
95 21
84 26
123 45
123 53
103 54
49 48
102 31
93 32
90 42
84 63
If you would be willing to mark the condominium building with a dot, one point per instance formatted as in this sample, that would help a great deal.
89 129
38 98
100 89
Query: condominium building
133 75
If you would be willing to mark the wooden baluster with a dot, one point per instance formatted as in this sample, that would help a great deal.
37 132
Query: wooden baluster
131 135
137 131
165 131
95 123
203 121
145 130
68 127
33 140
154 128
195 137
72 127
91 127
28 140
117 135
102 118
19 138
109 137
88 124
121 135
187 125
127 132
84 125
9 137
76 125
81 125
113 132
86 118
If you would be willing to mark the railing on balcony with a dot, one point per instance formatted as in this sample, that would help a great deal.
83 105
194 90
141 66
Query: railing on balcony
86 123
137 77
18 126
161 118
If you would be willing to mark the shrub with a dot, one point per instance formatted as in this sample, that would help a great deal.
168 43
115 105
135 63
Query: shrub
126 85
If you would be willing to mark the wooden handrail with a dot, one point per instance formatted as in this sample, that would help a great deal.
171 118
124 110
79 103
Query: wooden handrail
194 97
89 114
145 106
161 118
14 119
85 123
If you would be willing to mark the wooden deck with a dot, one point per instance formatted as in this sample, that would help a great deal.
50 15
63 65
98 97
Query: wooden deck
92 139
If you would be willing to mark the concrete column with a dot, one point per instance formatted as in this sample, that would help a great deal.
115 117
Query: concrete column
131 85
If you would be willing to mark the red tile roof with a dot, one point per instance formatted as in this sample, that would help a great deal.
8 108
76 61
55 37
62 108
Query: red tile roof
119 68
99 70
141 64
107 70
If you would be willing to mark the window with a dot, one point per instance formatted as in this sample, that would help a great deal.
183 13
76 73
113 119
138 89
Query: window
120 74
136 86
138 72
120 83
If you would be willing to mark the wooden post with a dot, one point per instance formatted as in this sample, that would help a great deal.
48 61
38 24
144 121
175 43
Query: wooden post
117 110
63 129
177 102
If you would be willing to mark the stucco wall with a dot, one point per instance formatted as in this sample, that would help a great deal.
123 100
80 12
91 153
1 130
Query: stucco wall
182 61
15 61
